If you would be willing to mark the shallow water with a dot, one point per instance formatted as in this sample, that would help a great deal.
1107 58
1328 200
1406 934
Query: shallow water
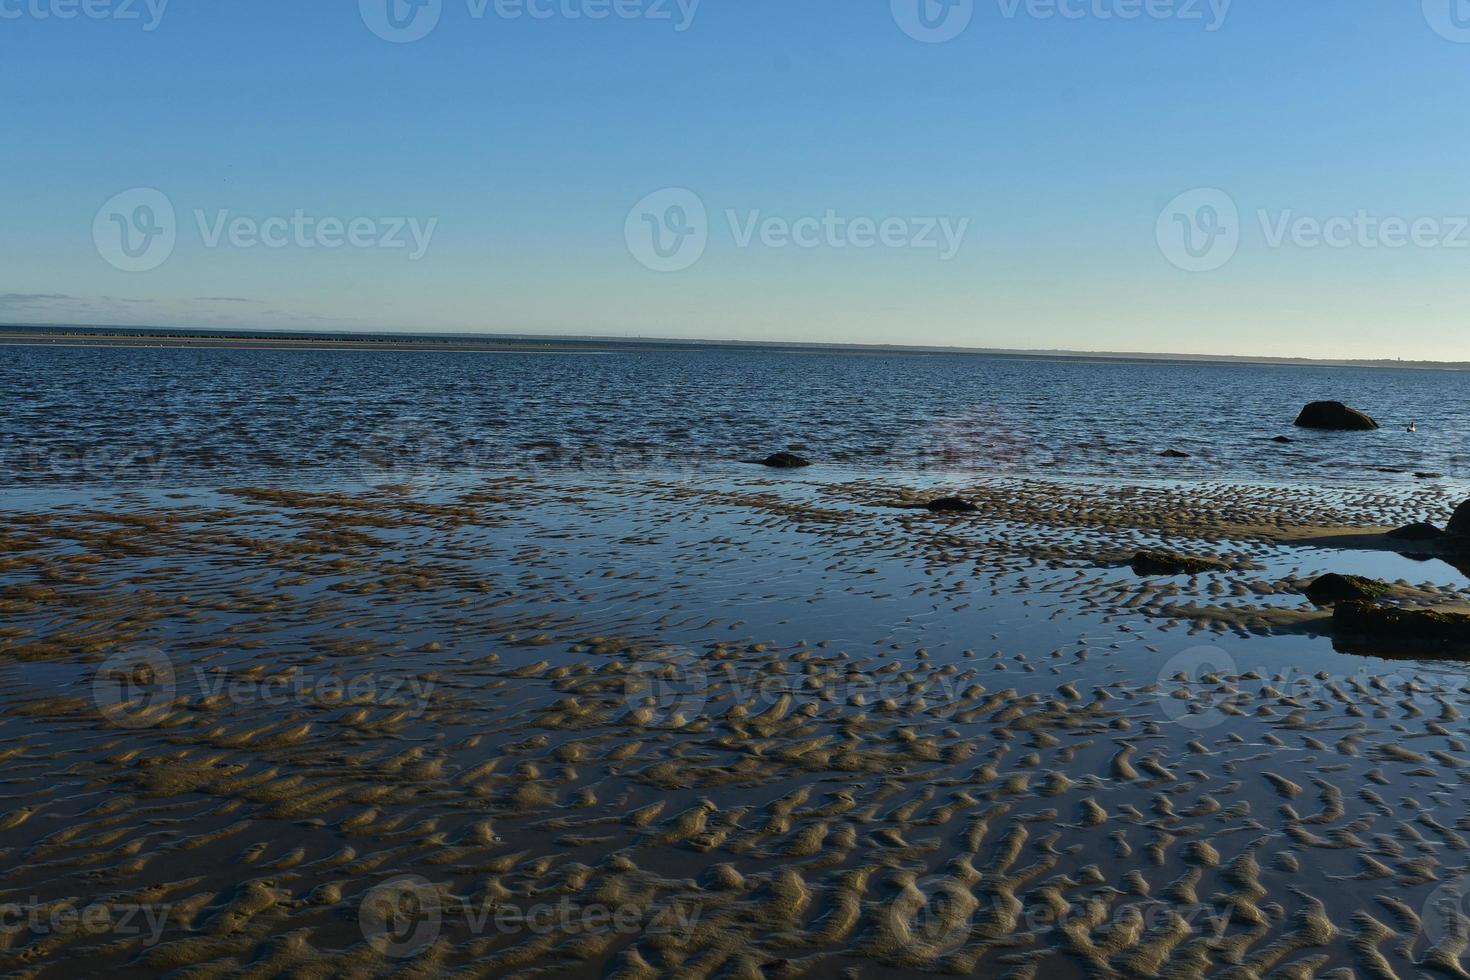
924 681
189 417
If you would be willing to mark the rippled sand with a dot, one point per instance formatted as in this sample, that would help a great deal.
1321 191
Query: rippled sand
748 728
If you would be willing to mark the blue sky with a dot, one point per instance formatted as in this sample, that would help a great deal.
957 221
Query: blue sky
1066 156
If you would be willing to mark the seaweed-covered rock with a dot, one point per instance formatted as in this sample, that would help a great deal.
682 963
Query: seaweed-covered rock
785 461
1344 588
1460 523
951 505
1170 563
1336 417
1391 629
1423 531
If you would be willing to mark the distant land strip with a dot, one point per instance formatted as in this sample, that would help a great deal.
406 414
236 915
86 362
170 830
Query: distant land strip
110 336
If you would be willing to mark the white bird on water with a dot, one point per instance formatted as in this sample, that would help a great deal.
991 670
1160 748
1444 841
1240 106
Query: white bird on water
1414 426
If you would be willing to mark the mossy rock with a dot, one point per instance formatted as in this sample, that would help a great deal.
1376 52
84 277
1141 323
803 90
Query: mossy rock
1170 563
1345 588
1392 629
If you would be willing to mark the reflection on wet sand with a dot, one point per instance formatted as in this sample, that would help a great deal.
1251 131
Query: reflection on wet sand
748 728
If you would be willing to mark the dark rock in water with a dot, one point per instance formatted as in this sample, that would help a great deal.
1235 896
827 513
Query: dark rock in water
1460 523
785 461
1344 588
951 505
1334 416
1174 454
1401 630
1169 563
1283 439
1417 532
1429 476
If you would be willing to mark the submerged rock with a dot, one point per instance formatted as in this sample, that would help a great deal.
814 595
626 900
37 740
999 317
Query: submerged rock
1283 439
951 505
1174 454
1389 628
1344 588
1334 416
785 461
1170 563
1423 531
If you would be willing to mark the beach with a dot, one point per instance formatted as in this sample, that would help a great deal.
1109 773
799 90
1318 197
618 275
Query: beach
760 724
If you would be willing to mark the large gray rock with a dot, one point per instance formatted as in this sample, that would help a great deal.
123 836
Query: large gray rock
1336 417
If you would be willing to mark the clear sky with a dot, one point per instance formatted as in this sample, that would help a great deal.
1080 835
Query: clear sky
989 174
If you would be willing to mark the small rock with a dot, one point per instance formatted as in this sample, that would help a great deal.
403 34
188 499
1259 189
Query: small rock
1423 531
1283 439
1169 563
951 505
1344 588
1174 454
1336 417
785 461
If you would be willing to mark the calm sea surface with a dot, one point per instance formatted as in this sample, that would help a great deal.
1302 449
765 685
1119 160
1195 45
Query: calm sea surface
189 417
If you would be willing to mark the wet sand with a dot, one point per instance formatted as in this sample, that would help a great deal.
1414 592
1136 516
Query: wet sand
744 727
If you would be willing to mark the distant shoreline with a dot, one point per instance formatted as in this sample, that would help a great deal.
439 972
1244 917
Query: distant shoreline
144 337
